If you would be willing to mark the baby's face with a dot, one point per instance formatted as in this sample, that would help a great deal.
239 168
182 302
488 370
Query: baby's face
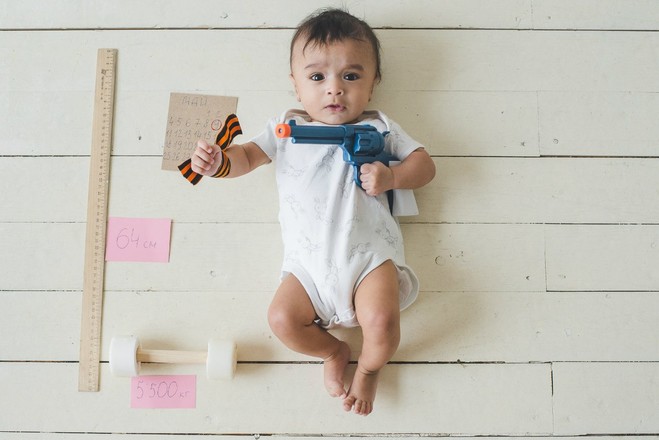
334 83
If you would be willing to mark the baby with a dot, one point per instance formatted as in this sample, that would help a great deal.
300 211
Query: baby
344 262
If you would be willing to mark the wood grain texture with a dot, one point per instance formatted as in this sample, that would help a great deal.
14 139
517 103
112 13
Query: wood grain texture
515 14
509 399
466 60
506 257
606 398
466 326
602 257
467 190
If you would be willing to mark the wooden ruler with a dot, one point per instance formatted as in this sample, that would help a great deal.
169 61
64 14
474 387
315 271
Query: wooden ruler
97 212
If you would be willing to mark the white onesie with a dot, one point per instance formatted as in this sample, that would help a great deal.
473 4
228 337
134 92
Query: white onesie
334 234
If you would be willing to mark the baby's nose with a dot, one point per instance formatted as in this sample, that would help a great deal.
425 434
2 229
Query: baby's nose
334 88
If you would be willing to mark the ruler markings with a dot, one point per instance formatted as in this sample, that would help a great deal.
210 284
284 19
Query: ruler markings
97 204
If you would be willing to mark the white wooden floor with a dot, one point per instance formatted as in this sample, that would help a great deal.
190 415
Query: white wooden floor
537 244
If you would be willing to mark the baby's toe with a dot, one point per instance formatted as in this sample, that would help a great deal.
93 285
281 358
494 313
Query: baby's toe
348 403
362 408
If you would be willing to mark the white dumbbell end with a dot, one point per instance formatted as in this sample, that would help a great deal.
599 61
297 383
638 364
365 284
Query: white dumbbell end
222 359
123 356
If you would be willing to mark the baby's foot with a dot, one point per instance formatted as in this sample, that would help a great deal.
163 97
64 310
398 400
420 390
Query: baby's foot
334 368
362 392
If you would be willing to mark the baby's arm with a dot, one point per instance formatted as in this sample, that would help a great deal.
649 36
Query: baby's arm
415 171
206 159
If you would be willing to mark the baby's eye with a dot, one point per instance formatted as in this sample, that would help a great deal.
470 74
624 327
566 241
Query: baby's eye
317 77
351 77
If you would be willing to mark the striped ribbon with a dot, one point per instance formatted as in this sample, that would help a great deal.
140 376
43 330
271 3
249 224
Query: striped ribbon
230 130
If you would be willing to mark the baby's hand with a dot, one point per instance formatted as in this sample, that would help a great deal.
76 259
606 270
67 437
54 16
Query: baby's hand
376 178
203 159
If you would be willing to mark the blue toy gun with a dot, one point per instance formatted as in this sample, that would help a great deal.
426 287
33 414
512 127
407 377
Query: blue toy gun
360 144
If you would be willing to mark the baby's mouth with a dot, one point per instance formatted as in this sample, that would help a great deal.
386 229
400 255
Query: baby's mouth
335 107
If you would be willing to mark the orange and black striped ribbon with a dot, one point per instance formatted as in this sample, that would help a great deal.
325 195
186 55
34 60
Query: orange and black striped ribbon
230 130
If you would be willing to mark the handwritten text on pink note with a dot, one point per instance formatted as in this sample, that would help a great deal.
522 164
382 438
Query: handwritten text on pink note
138 239
163 392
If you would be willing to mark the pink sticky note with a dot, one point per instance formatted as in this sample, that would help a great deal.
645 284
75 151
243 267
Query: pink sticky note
163 392
138 239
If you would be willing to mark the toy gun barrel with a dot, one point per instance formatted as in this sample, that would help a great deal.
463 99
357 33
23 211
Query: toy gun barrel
360 143
312 134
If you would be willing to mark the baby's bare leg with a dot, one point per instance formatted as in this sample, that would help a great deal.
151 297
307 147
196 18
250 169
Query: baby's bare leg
291 317
377 306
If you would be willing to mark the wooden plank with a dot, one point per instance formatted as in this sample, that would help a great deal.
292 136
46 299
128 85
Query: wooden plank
262 14
596 14
465 190
507 121
541 191
58 264
47 122
459 123
250 199
536 327
119 436
56 190
441 59
43 256
611 398
509 399
57 335
71 50
476 257
122 436
509 14
445 257
571 123
439 327
522 61
602 257
598 124
58 116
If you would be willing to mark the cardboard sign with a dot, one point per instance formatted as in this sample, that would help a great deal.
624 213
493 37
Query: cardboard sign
193 117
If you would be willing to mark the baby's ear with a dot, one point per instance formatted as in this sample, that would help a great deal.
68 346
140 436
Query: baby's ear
370 95
292 78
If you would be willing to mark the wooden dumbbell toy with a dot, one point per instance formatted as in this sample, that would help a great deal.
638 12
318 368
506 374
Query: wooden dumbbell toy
126 355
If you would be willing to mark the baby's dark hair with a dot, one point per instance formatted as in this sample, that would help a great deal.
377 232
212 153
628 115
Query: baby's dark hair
327 26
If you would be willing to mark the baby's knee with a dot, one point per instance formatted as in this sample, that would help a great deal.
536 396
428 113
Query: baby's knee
282 320
383 322
278 319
